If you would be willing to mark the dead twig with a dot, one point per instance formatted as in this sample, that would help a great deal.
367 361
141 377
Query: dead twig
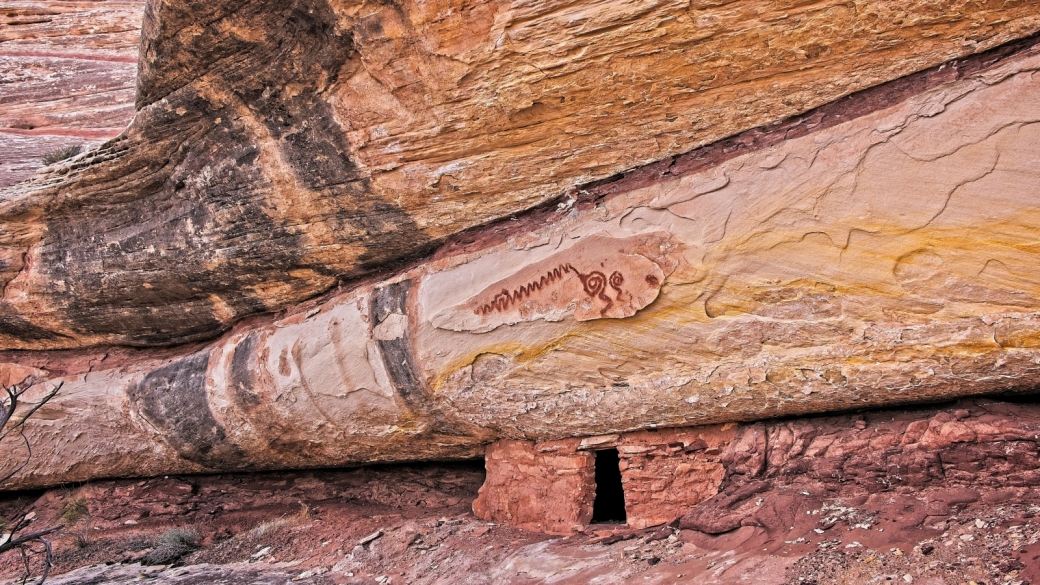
14 536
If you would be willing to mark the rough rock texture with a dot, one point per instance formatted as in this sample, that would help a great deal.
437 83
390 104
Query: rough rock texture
230 574
669 471
262 526
719 471
877 252
279 147
550 486
825 509
547 487
976 444
68 71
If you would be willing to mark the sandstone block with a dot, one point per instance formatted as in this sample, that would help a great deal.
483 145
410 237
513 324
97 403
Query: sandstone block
544 492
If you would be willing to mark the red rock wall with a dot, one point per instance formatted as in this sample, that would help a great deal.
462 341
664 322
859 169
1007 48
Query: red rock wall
548 487
877 251
773 319
711 476
68 71
666 473
272 157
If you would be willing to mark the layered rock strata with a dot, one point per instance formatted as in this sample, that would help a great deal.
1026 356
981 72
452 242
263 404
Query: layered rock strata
281 147
878 252
68 72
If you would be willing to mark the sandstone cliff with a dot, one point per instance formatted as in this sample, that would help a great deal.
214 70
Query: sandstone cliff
879 250
281 147
67 76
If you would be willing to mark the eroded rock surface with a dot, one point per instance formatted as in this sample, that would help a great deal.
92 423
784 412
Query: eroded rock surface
544 488
551 486
68 71
279 147
837 262
713 477
977 444
855 499
231 574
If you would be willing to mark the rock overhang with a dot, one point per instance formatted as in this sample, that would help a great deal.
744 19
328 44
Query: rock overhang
873 252
281 148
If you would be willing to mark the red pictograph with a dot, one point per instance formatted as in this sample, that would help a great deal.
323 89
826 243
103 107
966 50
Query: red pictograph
595 284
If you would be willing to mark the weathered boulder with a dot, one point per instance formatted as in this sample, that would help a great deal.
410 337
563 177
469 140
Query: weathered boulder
280 147
877 251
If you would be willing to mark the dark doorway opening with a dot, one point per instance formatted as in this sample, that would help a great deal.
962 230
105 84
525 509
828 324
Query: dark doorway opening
609 505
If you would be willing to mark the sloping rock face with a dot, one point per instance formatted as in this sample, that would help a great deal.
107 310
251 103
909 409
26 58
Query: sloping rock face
68 71
279 147
231 574
878 251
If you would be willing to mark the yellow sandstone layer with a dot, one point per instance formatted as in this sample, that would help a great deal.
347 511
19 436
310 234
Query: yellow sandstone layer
282 147
886 259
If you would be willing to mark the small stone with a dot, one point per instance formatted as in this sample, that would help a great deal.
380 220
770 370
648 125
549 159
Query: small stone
481 530
371 537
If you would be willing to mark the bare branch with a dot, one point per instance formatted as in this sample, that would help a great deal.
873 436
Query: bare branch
14 393
20 467
7 411
24 542
21 540
14 396
48 559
